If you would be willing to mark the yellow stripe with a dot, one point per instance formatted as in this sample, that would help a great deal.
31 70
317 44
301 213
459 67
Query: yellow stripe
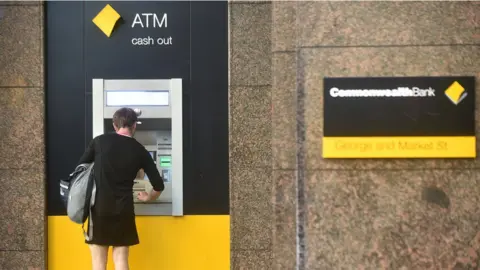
169 243
399 147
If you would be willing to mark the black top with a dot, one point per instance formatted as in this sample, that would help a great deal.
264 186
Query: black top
117 160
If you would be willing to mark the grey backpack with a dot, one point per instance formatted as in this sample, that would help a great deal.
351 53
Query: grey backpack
78 195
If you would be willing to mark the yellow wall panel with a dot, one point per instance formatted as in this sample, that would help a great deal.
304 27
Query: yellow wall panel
167 243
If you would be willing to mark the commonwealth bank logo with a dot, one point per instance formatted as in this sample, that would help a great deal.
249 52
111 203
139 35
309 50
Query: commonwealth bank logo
107 19
456 93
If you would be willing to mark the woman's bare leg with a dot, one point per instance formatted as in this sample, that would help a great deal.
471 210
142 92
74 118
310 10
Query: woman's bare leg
120 258
99 257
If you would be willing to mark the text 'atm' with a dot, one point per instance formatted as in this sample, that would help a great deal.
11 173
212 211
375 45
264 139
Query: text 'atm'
159 128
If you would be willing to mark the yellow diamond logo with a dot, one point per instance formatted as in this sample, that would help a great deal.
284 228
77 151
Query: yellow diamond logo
106 20
456 93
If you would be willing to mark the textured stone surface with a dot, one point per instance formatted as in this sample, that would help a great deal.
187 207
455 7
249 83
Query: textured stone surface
250 102
284 103
356 218
42 46
251 208
251 185
20 60
315 64
477 110
21 136
260 2
22 204
21 129
388 23
251 260
284 31
250 44
21 3
22 260
284 230
284 196
251 127
378 220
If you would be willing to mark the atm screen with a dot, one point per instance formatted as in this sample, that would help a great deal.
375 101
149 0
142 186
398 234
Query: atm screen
137 98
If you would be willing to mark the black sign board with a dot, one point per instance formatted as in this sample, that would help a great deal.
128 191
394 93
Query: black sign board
398 107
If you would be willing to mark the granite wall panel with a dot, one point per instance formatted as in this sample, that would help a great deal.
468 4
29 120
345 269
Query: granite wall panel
20 40
252 209
251 259
284 30
361 214
250 43
284 105
22 3
21 225
251 183
359 23
22 159
21 260
382 220
251 129
284 231
21 128
251 144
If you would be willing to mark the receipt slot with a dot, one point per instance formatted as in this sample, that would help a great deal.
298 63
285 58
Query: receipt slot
159 129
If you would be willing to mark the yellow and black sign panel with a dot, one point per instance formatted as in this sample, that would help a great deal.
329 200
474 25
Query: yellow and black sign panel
404 117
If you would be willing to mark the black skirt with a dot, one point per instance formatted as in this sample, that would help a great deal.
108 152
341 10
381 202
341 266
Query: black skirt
116 231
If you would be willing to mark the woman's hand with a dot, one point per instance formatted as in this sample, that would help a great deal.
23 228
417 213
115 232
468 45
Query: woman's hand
140 174
143 196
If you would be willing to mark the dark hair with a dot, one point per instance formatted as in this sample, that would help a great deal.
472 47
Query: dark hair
124 118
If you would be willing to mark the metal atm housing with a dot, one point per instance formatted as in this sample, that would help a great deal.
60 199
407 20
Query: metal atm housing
159 129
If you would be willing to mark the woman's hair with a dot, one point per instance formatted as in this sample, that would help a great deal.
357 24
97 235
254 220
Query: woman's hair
124 118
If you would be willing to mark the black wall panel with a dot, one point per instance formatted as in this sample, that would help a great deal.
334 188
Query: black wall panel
77 52
65 90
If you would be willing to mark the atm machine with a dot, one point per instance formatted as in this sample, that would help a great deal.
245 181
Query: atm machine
159 128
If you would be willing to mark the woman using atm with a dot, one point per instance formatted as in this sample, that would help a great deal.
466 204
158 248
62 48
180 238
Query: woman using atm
118 159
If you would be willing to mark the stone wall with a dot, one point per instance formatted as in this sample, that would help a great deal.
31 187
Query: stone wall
251 174
22 162
291 208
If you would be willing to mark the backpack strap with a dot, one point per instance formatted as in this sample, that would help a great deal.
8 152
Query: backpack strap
89 234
